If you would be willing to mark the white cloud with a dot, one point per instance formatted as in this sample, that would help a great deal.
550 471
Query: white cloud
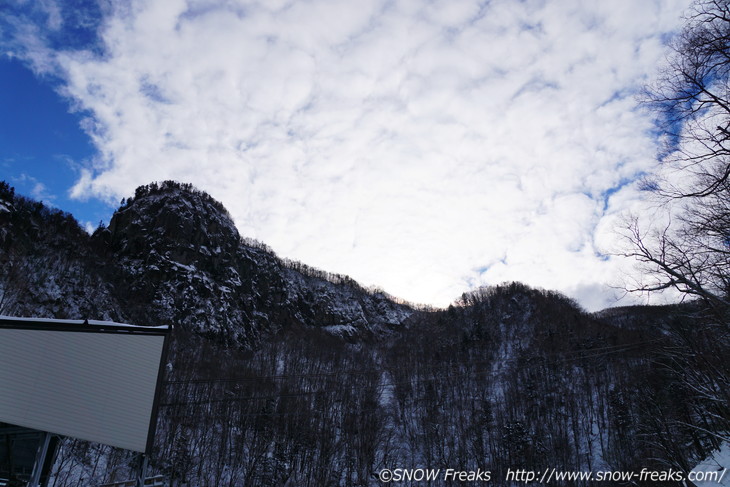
424 147
36 189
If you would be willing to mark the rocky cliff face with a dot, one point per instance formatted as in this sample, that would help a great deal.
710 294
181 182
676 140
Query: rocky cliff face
172 254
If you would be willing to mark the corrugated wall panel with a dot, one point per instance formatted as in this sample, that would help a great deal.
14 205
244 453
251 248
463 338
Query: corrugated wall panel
92 386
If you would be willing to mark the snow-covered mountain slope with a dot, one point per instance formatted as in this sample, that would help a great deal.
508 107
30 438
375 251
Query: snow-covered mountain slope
713 470
47 267
339 382
172 254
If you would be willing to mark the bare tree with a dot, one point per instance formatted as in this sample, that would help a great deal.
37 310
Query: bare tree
690 251
688 248
685 255
692 100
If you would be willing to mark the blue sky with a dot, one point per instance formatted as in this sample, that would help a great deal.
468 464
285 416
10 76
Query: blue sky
426 147
42 144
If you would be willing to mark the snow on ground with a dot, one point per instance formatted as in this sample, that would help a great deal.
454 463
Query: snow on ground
718 462
341 330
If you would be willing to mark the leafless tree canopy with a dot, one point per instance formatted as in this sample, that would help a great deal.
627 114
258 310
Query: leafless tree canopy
691 99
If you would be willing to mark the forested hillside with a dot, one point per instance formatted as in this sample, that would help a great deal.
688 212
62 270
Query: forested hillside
284 375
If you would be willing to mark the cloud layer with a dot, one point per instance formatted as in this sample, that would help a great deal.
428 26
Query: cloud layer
424 147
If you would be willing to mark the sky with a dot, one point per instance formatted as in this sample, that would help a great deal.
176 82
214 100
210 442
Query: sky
423 147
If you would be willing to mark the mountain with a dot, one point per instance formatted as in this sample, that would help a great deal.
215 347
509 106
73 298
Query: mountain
47 266
172 255
280 374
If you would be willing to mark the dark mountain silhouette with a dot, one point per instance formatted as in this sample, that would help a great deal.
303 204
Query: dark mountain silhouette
281 374
172 255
